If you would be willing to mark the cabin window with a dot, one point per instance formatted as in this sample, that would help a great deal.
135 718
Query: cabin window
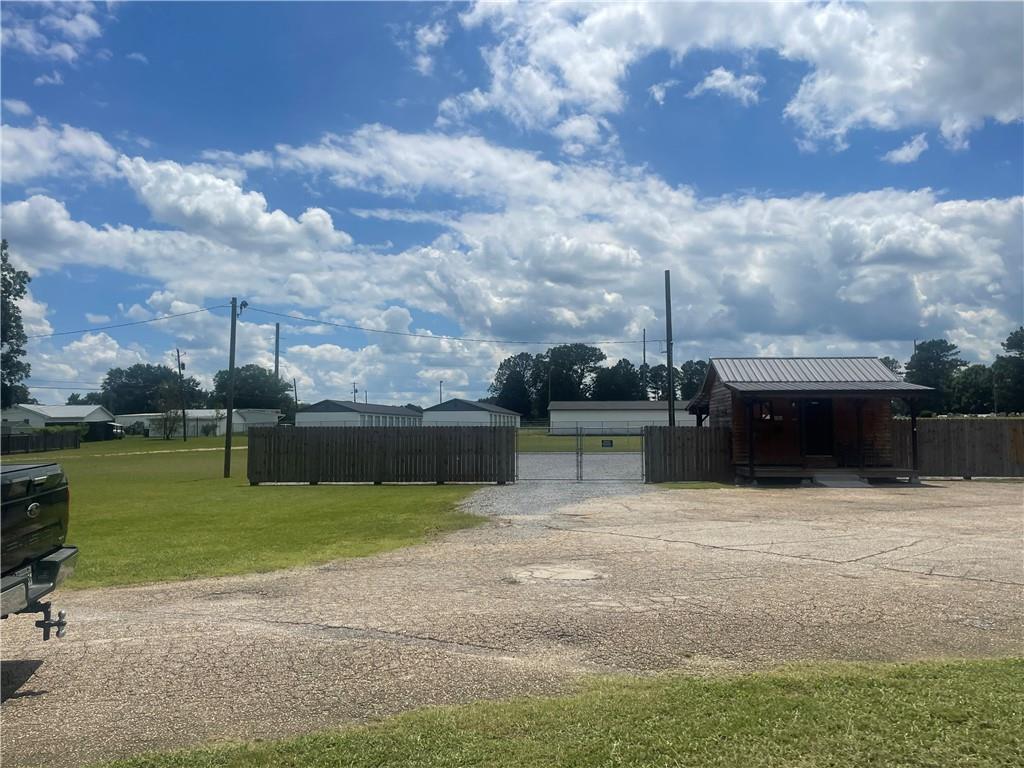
765 412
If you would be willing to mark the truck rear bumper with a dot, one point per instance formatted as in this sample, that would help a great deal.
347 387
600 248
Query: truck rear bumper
26 586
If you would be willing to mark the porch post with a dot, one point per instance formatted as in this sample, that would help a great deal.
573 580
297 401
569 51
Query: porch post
913 435
750 438
802 416
859 405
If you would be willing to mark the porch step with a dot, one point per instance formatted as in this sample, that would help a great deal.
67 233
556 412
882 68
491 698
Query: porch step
839 480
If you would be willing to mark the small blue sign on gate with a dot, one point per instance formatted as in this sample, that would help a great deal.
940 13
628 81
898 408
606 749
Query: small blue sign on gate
607 443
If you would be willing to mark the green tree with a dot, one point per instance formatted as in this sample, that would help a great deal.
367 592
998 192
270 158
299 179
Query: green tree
255 387
13 369
511 387
1014 344
657 381
89 398
572 369
1008 375
933 364
892 364
140 388
971 390
619 382
515 394
691 376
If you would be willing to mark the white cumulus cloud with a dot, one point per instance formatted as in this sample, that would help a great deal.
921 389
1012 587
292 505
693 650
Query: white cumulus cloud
885 66
42 150
17 107
907 153
743 88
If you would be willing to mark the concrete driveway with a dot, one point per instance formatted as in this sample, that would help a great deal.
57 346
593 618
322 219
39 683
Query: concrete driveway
566 580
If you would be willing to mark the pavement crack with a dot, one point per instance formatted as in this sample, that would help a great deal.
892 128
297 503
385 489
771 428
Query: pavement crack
884 551
392 635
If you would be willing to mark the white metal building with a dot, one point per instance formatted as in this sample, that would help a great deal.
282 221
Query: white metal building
613 417
469 413
39 416
202 421
347 413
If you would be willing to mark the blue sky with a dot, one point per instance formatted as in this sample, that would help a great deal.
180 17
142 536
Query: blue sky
821 179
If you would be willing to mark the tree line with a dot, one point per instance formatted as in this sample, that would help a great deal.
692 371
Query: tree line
527 383
146 388
967 388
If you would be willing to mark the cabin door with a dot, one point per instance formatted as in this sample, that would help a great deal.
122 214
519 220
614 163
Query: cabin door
818 427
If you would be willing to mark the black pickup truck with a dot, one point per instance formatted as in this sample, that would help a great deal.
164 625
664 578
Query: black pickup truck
34 555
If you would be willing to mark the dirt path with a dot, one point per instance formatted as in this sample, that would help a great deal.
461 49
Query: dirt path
564 582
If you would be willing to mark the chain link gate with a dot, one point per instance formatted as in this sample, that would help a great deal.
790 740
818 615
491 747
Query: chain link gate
594 457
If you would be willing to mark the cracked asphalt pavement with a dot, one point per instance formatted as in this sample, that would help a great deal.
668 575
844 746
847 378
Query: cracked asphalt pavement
565 580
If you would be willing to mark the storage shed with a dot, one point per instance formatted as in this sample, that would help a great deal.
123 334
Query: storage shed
95 418
469 413
613 417
347 413
792 416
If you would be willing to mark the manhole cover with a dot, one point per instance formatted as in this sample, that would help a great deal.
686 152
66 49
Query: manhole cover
558 573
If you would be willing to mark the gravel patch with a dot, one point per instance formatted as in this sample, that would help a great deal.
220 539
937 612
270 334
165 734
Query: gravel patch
566 580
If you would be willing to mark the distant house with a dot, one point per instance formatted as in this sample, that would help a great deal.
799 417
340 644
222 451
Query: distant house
199 422
612 417
790 416
469 413
95 418
345 413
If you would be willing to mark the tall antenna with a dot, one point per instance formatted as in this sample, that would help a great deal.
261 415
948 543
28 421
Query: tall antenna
643 369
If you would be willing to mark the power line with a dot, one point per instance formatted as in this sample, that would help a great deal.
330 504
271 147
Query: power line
439 336
125 325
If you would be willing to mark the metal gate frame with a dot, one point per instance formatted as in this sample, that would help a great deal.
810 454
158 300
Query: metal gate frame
580 451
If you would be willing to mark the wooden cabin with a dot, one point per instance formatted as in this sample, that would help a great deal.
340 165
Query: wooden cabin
798 416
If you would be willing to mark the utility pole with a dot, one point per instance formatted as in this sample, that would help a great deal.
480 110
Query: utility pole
231 386
181 388
277 351
295 391
440 391
643 368
668 336
354 392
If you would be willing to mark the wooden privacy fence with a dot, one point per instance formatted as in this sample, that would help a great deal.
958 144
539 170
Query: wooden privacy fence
962 447
382 455
687 453
33 442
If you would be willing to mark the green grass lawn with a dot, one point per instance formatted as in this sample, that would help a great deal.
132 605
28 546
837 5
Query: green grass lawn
539 441
171 516
923 715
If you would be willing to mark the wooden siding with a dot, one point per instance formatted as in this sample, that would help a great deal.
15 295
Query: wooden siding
382 455
777 442
686 453
962 447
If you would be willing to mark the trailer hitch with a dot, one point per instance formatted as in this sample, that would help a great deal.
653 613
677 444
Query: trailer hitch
47 623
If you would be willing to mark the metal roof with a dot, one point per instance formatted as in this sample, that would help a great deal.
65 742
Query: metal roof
792 376
66 411
458 404
334 406
803 370
613 405
826 386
